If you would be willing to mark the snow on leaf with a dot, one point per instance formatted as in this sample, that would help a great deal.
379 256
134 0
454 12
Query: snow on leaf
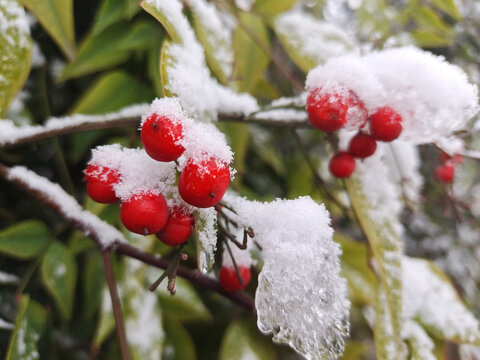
310 41
429 297
206 237
301 298
433 96
420 344
15 50
184 70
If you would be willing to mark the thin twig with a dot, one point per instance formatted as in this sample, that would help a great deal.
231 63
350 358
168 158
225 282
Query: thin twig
117 309
235 266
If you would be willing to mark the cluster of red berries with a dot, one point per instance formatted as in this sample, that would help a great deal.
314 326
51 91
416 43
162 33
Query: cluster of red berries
331 111
446 171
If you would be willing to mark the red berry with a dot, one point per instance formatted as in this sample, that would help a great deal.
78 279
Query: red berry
445 173
229 279
160 136
204 184
362 146
179 227
444 157
145 213
100 181
331 111
386 124
342 165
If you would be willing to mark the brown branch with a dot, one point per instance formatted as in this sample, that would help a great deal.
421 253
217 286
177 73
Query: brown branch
122 247
117 309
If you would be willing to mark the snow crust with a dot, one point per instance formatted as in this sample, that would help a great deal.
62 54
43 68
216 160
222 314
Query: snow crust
433 97
67 205
301 297
201 96
9 133
14 24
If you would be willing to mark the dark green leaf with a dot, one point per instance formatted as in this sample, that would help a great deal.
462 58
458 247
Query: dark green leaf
56 16
59 275
179 344
24 240
94 282
142 35
112 11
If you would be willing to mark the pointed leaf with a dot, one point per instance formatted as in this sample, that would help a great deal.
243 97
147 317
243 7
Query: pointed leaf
104 95
98 53
56 16
24 240
250 60
29 324
386 246
185 305
141 36
449 7
15 50
179 343
242 341
59 275
157 11
113 11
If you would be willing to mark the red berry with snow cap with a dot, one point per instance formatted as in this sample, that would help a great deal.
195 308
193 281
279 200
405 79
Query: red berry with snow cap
145 213
342 165
160 136
178 228
100 181
445 173
386 124
203 183
362 146
229 279
330 111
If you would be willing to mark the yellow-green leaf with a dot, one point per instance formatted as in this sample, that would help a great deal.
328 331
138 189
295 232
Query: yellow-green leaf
449 7
178 341
112 11
15 50
161 14
242 341
24 240
166 60
428 19
59 275
249 42
98 52
428 39
56 17
272 7
386 247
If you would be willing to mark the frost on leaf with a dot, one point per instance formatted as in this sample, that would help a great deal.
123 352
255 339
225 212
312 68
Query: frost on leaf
433 96
301 298
206 236
429 297
15 50
420 345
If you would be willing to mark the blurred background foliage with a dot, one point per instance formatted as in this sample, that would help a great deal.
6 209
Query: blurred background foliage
94 57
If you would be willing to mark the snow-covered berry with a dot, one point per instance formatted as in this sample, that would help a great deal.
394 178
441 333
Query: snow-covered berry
100 181
342 165
144 213
178 228
229 279
362 146
203 183
385 124
160 137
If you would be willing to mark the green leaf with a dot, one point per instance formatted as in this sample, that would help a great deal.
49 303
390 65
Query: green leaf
154 66
173 29
243 341
59 275
106 322
386 247
29 324
179 343
185 305
449 7
272 7
99 52
387 344
419 343
429 40
251 62
216 42
141 36
111 92
238 136
94 282
24 240
56 17
428 19
112 11
166 60
15 50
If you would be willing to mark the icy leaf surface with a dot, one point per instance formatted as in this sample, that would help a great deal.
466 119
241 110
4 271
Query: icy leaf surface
301 298
184 70
206 236
429 297
310 41
66 204
420 344
15 51
433 96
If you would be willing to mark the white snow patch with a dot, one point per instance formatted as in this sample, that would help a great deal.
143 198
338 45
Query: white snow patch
6 278
205 227
6 325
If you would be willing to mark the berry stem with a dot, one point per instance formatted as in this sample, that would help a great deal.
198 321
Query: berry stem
239 277
170 272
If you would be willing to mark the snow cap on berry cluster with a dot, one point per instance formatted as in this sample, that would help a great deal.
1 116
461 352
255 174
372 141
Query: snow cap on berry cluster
433 96
139 173
168 107
300 281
